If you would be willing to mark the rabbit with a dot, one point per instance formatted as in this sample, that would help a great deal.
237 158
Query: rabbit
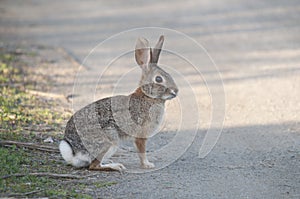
93 133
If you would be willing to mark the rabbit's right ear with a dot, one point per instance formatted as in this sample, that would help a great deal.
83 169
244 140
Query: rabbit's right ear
157 49
142 53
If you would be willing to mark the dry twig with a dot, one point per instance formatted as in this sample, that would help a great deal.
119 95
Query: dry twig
51 175
30 146
24 194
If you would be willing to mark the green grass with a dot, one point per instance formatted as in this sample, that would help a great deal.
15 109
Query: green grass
20 111
14 160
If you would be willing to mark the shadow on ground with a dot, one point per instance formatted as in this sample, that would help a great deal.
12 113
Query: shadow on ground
256 161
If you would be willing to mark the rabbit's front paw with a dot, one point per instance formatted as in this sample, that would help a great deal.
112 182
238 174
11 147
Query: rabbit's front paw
147 165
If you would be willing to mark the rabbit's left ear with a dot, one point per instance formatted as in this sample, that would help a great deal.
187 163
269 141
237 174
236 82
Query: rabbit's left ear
157 50
143 53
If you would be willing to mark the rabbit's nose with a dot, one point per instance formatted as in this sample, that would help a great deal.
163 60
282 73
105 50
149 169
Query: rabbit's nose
173 92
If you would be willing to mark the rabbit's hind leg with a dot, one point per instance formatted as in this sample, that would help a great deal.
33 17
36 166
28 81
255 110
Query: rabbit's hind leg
97 164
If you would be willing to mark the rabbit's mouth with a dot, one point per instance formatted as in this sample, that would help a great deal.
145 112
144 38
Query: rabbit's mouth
172 93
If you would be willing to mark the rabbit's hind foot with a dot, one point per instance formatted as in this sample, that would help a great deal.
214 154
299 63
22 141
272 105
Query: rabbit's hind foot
97 166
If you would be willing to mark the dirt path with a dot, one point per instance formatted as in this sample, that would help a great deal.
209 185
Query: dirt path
256 47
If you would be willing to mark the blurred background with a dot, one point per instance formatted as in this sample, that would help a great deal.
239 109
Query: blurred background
250 41
235 32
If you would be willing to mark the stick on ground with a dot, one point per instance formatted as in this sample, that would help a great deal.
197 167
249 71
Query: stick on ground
51 175
24 194
30 146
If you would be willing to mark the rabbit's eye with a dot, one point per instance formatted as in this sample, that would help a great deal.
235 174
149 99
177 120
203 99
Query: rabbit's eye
158 79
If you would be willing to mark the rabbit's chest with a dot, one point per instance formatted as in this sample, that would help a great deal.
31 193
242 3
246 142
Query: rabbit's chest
145 116
156 114
149 117
146 112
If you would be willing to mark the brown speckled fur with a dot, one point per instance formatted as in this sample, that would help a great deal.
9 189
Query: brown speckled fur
99 126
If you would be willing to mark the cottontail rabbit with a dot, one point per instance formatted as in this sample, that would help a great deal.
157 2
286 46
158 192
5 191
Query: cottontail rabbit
93 133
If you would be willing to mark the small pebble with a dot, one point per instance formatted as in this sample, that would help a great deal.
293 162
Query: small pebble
49 140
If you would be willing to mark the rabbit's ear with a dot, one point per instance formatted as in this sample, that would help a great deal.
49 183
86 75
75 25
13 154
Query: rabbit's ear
157 49
142 53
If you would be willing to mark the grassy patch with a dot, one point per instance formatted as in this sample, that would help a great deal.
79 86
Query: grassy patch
20 110
19 161
22 115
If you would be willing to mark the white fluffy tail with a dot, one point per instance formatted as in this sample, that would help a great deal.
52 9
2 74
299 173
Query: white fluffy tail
77 160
